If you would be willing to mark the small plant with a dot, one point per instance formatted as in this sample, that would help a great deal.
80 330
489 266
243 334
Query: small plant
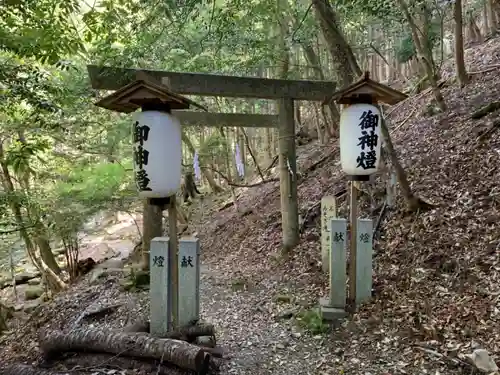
137 280
312 321
238 285
283 298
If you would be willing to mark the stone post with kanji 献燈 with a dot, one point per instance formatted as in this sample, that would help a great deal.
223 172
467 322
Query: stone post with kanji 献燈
157 159
360 156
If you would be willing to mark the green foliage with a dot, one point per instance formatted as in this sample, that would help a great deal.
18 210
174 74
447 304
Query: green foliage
93 185
214 146
406 49
41 29
136 280
386 11
312 321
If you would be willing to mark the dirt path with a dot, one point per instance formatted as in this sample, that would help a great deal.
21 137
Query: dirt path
257 332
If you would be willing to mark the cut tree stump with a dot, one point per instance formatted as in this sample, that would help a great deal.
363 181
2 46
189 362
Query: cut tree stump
176 352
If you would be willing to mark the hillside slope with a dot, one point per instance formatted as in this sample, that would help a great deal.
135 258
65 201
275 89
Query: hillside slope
436 273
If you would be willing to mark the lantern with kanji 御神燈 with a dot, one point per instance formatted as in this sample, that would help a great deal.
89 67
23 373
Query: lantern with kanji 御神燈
156 134
361 123
360 139
157 153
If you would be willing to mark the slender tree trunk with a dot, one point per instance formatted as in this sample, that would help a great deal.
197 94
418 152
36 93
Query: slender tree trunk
53 280
152 226
424 56
206 172
350 68
413 202
313 60
462 76
46 253
40 235
343 57
286 145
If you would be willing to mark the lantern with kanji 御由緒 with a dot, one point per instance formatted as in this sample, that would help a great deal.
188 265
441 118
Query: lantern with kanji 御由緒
360 125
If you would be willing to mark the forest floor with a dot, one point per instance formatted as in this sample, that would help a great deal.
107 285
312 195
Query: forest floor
436 273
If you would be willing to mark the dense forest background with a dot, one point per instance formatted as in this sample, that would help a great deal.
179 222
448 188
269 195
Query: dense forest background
63 160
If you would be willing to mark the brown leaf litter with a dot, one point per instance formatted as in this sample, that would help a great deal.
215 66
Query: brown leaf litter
436 273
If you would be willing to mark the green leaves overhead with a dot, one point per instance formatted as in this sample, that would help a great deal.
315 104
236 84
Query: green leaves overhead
42 29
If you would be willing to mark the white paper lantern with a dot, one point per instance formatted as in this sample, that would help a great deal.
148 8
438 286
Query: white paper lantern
360 139
157 151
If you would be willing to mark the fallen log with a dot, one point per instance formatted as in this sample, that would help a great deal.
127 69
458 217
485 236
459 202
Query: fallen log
19 369
483 111
94 361
187 333
176 352
191 332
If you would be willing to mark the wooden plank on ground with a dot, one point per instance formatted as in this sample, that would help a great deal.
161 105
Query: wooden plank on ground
111 78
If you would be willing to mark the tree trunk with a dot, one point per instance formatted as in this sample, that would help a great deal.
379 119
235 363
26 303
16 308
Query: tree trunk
252 154
206 172
241 144
152 226
286 145
313 60
486 21
462 76
227 161
491 17
343 58
5 314
46 253
424 55
176 352
54 282
413 202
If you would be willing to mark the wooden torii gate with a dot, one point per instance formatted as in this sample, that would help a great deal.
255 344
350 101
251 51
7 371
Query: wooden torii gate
282 90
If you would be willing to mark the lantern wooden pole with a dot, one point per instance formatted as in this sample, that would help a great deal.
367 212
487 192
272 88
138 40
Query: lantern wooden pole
353 218
173 261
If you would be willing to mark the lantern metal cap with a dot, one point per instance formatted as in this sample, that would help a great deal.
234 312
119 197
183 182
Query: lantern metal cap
366 90
145 91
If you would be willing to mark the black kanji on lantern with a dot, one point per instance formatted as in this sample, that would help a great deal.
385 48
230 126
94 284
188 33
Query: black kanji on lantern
140 133
158 261
368 140
187 261
142 180
141 156
338 237
369 120
366 160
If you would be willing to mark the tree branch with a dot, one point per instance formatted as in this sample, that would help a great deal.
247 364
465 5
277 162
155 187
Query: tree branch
230 183
10 231
252 155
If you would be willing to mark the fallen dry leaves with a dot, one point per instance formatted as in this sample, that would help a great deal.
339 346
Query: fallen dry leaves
436 273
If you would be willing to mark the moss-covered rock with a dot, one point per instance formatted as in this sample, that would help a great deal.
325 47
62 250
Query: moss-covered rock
35 281
33 292
24 277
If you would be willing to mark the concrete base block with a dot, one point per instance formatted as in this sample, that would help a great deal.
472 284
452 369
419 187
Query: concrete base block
330 313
